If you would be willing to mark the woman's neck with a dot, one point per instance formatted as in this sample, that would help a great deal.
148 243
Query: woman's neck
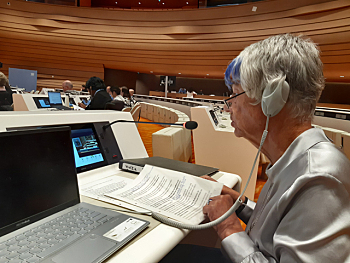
281 136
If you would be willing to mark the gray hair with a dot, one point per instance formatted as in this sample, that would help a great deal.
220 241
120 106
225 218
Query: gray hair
293 58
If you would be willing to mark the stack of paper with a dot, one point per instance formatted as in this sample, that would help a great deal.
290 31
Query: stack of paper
174 194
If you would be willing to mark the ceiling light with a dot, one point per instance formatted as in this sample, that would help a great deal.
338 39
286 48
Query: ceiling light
139 3
163 3
186 3
179 73
207 74
254 8
342 76
116 2
151 71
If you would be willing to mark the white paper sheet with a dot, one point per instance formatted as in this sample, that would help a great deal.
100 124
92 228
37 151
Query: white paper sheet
174 194
97 190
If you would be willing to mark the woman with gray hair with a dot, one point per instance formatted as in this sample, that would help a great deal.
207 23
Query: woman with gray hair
303 212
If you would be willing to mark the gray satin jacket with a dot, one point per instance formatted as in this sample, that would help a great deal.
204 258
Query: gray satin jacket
303 212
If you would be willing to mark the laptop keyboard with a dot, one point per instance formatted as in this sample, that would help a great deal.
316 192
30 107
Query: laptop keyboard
37 243
61 107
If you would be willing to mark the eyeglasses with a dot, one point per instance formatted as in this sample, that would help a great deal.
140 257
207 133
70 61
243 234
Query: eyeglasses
229 104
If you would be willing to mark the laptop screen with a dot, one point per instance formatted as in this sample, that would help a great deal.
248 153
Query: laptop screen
38 176
55 98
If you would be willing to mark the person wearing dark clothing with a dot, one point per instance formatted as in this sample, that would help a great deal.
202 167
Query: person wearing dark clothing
99 101
99 95
5 94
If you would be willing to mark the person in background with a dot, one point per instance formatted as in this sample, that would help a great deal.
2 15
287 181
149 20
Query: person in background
67 85
191 93
126 96
182 90
99 95
84 88
132 99
114 91
303 211
200 92
6 100
120 95
108 89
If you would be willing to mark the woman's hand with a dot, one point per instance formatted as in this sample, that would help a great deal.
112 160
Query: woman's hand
225 190
218 206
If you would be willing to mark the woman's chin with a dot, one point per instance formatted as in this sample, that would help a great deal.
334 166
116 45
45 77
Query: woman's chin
238 132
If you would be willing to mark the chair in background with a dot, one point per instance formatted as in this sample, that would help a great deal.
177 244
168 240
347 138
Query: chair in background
127 109
115 105
136 112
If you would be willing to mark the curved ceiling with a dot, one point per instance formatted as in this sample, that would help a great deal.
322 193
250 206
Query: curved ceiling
63 42
143 4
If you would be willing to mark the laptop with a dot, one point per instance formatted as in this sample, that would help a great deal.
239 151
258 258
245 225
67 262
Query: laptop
55 101
42 218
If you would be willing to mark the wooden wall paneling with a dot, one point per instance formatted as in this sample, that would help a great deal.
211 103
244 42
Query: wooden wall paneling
336 93
201 32
193 42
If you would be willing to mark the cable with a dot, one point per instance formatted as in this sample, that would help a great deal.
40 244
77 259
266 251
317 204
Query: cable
234 207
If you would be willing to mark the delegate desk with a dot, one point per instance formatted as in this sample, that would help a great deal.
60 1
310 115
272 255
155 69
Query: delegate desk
156 241
40 102
181 96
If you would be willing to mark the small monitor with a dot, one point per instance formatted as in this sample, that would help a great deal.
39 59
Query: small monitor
87 150
55 98
44 103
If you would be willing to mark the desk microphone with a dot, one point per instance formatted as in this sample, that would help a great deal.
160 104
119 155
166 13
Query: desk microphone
190 125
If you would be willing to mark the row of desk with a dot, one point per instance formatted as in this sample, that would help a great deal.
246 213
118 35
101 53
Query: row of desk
31 102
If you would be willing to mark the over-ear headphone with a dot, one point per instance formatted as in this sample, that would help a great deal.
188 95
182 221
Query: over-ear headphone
275 96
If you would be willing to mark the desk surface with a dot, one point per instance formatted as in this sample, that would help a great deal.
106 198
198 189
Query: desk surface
158 239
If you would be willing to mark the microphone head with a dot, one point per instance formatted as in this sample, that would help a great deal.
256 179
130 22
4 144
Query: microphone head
190 125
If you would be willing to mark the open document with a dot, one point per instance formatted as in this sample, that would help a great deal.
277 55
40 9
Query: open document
98 188
170 193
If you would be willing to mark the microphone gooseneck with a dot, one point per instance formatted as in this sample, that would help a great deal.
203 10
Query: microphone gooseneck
190 125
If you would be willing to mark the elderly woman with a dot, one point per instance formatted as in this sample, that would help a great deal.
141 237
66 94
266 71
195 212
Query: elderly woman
303 212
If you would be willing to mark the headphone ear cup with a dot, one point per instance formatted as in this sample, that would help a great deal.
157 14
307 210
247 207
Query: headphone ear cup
274 97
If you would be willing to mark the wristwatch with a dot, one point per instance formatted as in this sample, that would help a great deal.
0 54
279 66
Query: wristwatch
242 206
